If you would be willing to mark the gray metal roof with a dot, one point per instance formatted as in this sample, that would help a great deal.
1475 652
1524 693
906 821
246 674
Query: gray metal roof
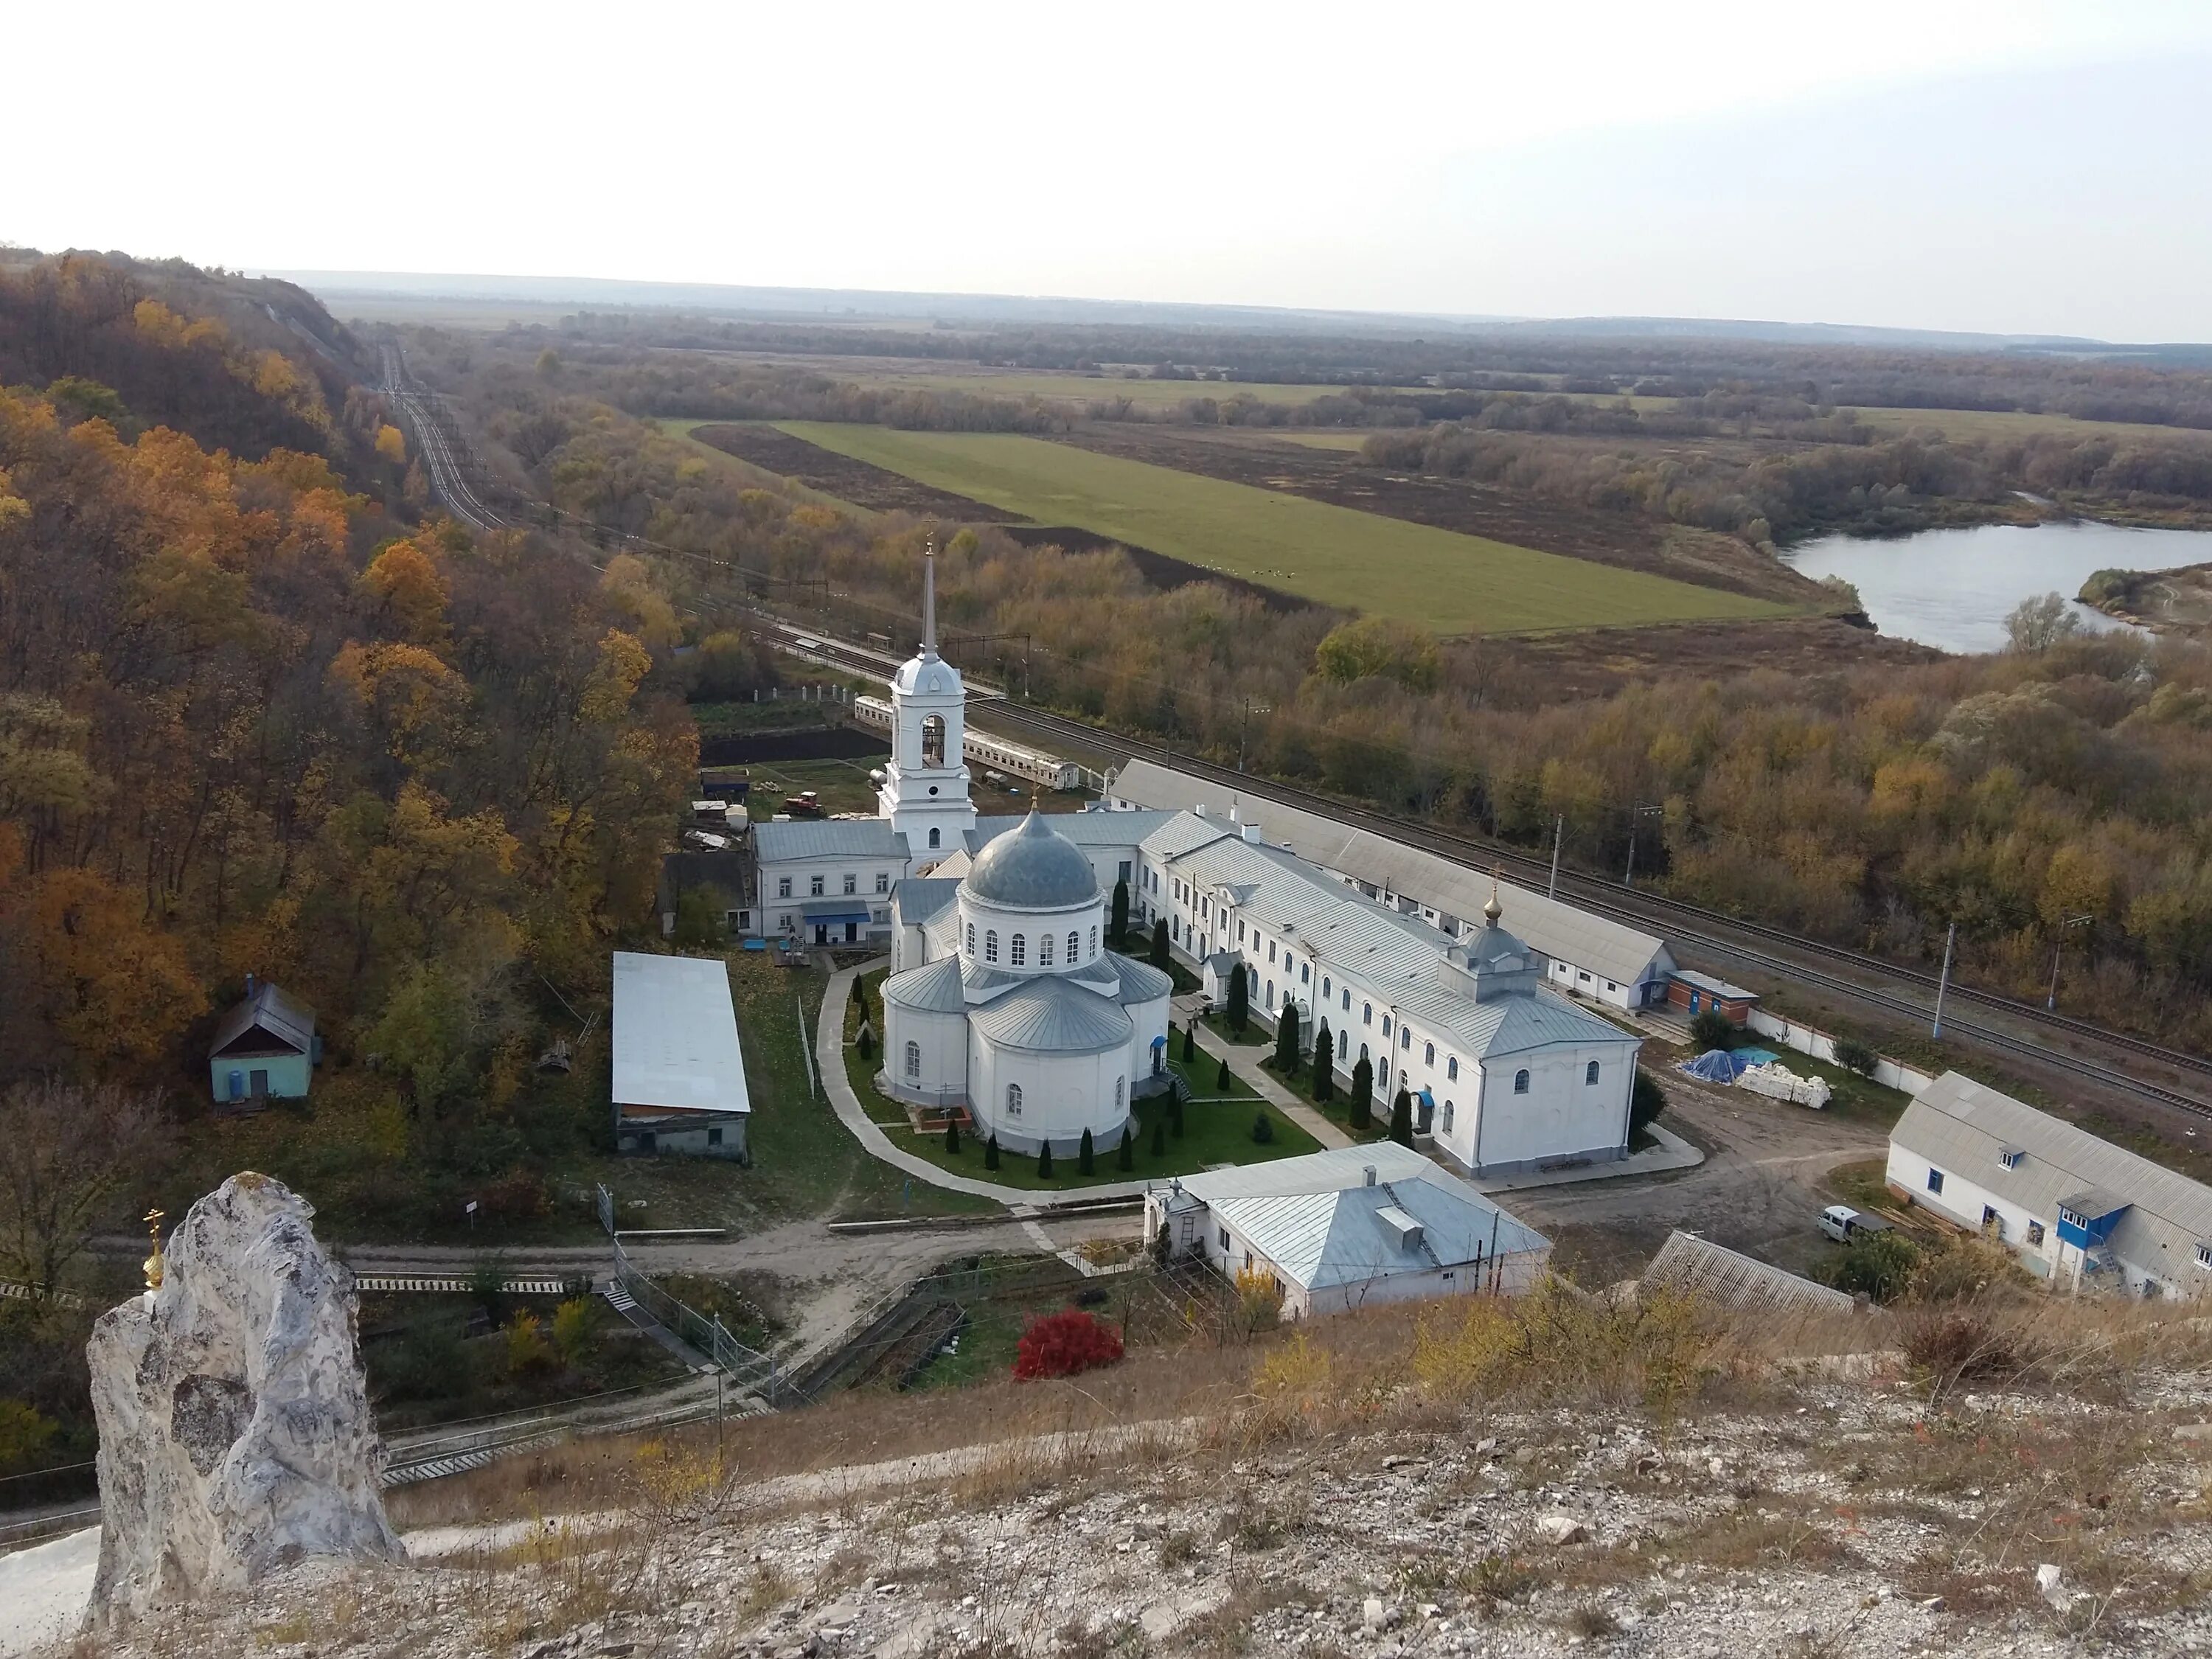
917 899
1085 828
675 1035
1048 1016
935 988
1397 957
1035 868
1625 955
1728 1279
1140 981
266 1023
1317 1220
1960 1125
827 838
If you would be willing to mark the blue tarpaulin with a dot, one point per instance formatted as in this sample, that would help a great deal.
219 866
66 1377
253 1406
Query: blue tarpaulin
1715 1065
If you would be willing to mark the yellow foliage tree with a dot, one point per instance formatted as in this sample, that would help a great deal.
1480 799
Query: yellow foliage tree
391 443
405 579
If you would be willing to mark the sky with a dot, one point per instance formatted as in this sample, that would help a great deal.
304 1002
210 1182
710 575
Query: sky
2000 165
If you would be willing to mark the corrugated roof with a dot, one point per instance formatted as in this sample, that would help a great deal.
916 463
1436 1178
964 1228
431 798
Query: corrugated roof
1316 1221
1140 981
826 838
1731 1279
1085 828
1048 1016
285 1026
935 988
1035 868
675 1035
919 899
1618 952
1398 958
1960 1125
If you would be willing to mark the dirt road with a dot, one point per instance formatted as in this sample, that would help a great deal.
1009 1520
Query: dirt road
1759 1190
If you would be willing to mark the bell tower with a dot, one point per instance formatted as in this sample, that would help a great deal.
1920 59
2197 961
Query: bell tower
925 790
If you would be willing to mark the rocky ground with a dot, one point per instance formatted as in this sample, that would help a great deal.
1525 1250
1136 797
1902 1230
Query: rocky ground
1838 1517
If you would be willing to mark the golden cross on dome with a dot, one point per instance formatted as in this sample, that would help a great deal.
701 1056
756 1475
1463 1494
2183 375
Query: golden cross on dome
153 1263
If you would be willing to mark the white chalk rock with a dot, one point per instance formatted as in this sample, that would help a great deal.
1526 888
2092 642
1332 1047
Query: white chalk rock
234 1431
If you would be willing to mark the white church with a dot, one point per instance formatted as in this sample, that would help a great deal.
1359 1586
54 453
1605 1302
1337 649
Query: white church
1004 1000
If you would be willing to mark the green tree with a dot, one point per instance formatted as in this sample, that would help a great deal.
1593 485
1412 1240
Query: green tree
1856 1056
1239 1012
1085 1162
1160 958
1878 1265
1221 1077
1263 1128
1401 1118
1190 1043
952 1134
698 921
1286 1039
1118 923
1711 1029
1646 1100
1379 646
1127 1157
1160 1135
990 1151
1044 1159
1324 1064
1362 1110
2037 624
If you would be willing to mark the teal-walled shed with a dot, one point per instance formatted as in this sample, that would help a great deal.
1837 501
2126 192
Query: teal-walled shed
264 1049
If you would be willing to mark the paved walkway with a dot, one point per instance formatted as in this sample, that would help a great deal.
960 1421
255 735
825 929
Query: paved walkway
829 1061
1244 1064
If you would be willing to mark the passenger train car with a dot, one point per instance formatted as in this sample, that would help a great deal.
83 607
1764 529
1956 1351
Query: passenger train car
984 750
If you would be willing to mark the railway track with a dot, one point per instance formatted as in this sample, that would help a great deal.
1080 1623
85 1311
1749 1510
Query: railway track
1691 926
1712 932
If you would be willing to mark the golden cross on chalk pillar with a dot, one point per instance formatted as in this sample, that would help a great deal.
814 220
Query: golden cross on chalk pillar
153 1263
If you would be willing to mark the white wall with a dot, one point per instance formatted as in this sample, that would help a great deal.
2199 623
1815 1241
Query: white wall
943 1042
1062 1095
1811 1040
1561 1116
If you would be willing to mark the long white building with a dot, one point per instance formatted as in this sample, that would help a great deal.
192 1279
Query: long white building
1607 961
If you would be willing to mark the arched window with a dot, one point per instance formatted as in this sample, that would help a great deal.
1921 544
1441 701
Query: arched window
1520 1081
1589 1073
1342 1039
935 835
1094 941
933 740
1383 1074
1451 1068
1270 1002
1018 950
1366 1013
1448 1117
1074 941
1428 1054
1362 1051
913 1060
1013 1100
1348 998
1044 950
991 944
1120 1092
1305 973
971 941
1327 989
1240 932
1386 1025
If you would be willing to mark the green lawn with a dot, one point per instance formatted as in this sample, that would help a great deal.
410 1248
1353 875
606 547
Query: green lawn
1437 579
1214 1131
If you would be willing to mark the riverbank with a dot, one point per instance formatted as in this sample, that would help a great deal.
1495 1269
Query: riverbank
2178 601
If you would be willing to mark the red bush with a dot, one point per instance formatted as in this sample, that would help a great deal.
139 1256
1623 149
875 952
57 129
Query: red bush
1062 1344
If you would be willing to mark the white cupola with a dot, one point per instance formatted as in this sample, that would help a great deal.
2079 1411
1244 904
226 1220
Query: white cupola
925 788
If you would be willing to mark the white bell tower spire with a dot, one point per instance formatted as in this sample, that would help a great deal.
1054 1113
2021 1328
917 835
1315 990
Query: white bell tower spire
925 790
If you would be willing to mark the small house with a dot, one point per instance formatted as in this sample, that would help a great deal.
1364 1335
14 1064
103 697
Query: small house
1340 1229
1694 994
679 1074
265 1048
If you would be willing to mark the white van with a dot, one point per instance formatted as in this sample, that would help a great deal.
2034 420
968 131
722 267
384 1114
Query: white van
1843 1224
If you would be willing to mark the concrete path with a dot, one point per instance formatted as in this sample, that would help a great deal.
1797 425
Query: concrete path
1244 1066
829 1061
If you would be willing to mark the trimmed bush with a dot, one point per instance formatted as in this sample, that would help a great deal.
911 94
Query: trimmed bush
1127 1157
1401 1118
1160 943
1324 1064
1044 1161
1085 1160
1287 1039
1856 1056
990 1151
1221 1077
1263 1128
952 1134
1190 1043
1362 1111
1239 1012
1117 929
1063 1345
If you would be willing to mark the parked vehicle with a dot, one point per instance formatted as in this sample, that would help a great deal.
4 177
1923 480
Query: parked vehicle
1843 1224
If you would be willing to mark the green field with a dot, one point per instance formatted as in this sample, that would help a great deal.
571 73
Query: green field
1437 579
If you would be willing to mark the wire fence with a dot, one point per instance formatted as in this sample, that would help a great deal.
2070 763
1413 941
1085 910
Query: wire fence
747 1368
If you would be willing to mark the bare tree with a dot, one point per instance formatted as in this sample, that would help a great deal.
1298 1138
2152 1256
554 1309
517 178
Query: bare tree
66 1151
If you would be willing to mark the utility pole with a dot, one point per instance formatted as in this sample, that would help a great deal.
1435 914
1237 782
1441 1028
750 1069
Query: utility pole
1558 834
1639 811
1943 981
1251 709
2050 1002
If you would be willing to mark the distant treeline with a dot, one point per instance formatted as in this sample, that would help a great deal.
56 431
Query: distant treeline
2171 389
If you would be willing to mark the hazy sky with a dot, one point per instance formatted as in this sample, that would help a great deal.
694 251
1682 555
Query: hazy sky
2020 165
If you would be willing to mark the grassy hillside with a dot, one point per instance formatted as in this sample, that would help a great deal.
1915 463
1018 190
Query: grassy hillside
1452 583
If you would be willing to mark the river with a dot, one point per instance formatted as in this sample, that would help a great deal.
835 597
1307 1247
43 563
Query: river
1953 588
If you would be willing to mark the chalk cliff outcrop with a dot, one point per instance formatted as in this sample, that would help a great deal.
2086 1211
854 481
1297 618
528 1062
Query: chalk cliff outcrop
234 1430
